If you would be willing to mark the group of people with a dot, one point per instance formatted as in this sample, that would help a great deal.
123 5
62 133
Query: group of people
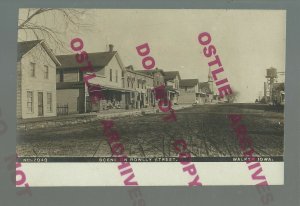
113 104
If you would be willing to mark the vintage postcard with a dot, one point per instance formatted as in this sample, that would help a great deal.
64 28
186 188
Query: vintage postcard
111 97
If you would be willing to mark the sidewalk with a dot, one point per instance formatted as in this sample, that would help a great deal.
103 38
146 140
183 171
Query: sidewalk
46 122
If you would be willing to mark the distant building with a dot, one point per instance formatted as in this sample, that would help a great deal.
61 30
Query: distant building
157 74
206 93
36 87
278 94
109 70
158 79
172 82
189 91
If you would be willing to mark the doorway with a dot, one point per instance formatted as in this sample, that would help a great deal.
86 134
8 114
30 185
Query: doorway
40 104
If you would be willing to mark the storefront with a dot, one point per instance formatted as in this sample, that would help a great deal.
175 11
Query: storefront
115 98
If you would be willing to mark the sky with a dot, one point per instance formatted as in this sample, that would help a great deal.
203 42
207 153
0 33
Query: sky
247 41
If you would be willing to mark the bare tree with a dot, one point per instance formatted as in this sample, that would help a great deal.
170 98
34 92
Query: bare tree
51 24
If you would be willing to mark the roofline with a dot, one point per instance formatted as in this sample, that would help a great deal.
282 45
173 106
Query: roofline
29 49
178 73
50 53
136 72
180 82
118 59
95 66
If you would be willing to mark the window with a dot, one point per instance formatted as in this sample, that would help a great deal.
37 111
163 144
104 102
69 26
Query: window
116 76
30 102
49 102
61 76
46 72
185 88
176 84
80 76
32 69
128 83
110 75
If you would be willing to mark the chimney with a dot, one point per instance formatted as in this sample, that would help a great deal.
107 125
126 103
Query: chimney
111 47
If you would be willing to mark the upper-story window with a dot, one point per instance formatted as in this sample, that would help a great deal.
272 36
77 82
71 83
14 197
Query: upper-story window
117 76
176 84
61 76
144 84
80 76
46 72
32 69
110 75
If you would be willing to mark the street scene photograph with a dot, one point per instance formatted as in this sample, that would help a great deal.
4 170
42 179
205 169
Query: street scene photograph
94 84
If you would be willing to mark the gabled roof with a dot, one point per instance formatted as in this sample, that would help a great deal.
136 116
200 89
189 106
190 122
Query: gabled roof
131 70
204 87
151 72
188 82
25 46
171 75
98 59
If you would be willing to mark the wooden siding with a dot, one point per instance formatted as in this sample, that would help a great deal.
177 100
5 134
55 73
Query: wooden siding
38 83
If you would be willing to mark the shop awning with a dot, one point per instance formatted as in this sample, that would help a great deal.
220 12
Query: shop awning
116 89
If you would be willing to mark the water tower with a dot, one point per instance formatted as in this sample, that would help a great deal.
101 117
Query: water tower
268 86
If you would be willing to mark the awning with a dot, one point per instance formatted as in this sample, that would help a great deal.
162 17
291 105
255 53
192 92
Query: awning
172 90
116 89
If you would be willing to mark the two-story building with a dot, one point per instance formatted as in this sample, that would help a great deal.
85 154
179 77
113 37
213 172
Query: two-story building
141 85
189 91
172 82
36 87
158 80
72 91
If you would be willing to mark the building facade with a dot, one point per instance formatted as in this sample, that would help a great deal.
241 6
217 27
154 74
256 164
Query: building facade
36 87
110 76
206 93
278 94
189 91
141 85
158 81
172 82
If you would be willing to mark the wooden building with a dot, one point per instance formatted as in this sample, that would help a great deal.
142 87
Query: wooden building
172 81
36 87
109 70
